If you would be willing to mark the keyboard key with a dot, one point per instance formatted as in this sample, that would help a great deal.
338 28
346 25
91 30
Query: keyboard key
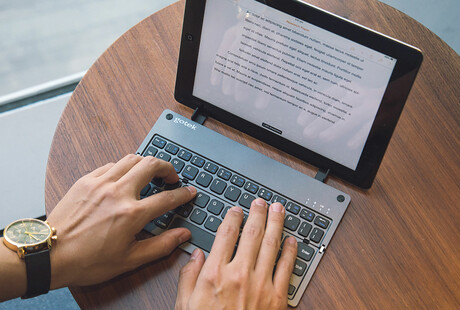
218 186
251 187
212 223
210 167
265 194
185 155
190 172
299 268
245 200
184 210
291 223
197 161
177 164
145 190
215 206
292 207
224 174
316 235
200 237
245 218
169 187
279 199
158 182
159 142
232 193
151 151
225 212
237 180
307 215
305 229
321 222
201 200
171 148
304 251
204 179
198 216
163 156
164 220
284 236
156 190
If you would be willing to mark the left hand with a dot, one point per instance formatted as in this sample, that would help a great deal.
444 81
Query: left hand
98 218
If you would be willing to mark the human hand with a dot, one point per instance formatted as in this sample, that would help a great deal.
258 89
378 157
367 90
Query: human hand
245 281
98 218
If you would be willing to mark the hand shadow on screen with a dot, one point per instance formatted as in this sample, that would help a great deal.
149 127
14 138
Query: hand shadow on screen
354 128
231 42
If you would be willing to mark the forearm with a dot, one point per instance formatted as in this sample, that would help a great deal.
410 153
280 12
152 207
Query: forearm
13 279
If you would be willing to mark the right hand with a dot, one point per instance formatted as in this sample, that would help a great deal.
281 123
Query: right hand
245 281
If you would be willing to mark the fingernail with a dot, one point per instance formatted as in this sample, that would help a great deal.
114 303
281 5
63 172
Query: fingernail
195 254
277 207
291 240
260 202
192 190
237 209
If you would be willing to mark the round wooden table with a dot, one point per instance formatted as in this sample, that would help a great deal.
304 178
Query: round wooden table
398 245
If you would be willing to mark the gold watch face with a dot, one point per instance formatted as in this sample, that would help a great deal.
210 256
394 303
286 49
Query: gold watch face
27 233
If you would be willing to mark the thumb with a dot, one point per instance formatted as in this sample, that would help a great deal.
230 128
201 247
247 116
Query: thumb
159 246
187 279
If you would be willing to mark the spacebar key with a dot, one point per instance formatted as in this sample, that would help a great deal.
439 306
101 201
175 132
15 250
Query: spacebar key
200 238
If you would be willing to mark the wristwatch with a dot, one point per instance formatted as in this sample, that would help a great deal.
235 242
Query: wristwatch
31 239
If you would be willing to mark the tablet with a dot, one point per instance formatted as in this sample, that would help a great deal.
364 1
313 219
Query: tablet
310 83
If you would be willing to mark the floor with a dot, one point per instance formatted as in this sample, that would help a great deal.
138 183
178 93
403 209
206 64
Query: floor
63 38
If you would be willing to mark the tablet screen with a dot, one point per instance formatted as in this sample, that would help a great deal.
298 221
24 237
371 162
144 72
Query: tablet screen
311 86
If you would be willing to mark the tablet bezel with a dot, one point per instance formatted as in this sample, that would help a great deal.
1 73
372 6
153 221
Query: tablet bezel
408 62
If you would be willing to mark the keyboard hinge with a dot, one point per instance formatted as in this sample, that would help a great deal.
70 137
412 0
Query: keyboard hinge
322 174
198 117
322 249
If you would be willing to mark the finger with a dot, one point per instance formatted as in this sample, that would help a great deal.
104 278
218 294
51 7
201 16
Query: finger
271 241
285 265
226 237
122 167
253 232
147 169
158 204
151 249
188 277
101 170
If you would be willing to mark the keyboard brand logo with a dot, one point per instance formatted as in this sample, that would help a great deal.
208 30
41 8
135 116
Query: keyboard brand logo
185 123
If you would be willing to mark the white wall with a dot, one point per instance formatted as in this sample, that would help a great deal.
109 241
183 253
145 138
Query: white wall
25 138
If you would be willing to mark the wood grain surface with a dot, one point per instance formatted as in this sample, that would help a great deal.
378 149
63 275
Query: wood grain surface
398 246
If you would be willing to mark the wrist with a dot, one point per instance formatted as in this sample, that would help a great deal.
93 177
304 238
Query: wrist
59 277
13 282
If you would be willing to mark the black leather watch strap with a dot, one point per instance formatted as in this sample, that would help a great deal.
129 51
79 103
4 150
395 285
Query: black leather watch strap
38 268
